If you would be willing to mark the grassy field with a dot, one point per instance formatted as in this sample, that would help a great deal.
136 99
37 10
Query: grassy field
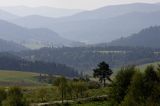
142 67
17 77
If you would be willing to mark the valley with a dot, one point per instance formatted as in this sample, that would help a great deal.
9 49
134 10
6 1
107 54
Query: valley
70 54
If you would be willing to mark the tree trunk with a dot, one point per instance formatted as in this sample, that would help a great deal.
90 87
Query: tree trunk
62 96
104 82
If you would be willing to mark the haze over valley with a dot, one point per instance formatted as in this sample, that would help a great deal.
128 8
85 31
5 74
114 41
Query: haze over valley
125 25
94 26
80 53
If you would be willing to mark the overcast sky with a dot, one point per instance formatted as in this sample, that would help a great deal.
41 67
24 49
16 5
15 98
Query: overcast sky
77 4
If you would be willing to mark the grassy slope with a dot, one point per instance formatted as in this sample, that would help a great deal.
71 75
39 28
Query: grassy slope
17 77
142 67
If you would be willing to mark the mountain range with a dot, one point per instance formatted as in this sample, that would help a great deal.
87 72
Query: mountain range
33 38
42 11
99 25
122 28
96 26
7 16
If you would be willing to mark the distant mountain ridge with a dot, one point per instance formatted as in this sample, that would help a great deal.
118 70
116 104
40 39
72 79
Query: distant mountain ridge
40 37
100 25
7 16
115 10
149 37
42 11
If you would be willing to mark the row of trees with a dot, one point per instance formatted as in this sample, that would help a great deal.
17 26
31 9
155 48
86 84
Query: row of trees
70 89
85 58
76 88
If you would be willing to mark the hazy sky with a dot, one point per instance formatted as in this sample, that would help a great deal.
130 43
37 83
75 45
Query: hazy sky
79 4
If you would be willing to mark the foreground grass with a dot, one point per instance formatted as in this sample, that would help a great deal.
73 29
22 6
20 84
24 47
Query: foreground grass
98 92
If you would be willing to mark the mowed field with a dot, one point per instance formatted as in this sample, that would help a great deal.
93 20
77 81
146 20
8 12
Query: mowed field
8 78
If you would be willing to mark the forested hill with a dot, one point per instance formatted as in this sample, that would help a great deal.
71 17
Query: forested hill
11 62
86 58
149 37
6 46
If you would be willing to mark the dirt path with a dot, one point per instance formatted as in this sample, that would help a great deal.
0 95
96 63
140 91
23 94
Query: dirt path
103 97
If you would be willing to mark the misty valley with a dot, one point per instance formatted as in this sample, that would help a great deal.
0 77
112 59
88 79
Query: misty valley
107 56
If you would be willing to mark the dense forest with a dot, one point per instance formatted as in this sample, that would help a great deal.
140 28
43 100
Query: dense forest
148 37
86 58
11 62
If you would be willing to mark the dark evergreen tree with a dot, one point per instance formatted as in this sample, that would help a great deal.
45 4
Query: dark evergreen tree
103 72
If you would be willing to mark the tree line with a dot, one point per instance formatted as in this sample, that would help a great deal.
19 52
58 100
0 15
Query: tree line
11 62
85 58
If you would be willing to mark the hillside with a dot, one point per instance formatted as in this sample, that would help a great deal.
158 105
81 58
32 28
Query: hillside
114 10
40 37
86 58
8 78
7 46
148 37
100 25
12 62
144 66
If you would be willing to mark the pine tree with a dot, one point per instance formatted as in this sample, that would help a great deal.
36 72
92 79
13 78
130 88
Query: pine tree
103 72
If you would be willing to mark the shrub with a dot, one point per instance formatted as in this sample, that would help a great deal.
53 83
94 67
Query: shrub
2 95
15 98
135 94
42 94
144 89
93 85
121 83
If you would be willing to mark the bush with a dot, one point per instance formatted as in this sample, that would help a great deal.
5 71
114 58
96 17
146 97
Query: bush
144 89
15 98
2 95
42 95
93 85
134 97
121 83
